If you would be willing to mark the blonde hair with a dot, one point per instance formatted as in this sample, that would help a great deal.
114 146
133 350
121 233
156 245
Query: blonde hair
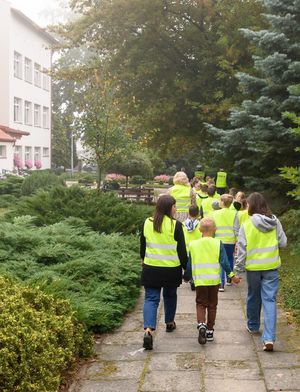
207 224
180 178
226 199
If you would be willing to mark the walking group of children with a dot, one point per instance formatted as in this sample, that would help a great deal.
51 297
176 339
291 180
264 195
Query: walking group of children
197 230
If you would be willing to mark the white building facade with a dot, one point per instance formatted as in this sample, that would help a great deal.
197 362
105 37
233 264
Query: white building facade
25 92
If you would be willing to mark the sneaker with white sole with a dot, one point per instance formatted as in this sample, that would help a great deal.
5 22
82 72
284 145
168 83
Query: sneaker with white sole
210 335
202 333
221 288
252 331
268 346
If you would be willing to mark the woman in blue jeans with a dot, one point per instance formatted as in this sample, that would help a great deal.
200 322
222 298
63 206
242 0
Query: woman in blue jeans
163 255
259 241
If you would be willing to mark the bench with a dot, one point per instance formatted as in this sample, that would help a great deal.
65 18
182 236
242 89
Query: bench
145 195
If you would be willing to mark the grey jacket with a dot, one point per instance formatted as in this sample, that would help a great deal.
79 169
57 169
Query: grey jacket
264 224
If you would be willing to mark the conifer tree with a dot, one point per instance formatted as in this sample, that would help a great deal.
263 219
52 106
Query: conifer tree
260 139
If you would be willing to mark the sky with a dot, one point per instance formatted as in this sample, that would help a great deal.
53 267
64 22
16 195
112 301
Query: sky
42 12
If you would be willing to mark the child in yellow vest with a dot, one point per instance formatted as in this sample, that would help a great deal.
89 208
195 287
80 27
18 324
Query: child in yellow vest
207 204
207 256
224 219
191 232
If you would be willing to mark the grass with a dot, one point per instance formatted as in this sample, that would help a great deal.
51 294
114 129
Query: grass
290 283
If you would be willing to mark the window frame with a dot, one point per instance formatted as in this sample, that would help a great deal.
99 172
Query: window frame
17 65
19 106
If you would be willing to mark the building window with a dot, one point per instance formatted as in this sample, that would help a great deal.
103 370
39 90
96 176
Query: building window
28 70
46 80
17 110
28 113
28 152
37 75
17 65
37 154
18 151
45 152
2 151
37 115
45 117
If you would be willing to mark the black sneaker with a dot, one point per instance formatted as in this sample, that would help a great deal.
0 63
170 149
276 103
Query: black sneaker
170 326
202 333
193 288
148 341
209 335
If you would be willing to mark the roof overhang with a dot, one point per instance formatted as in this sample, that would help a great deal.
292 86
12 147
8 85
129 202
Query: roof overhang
34 26
10 135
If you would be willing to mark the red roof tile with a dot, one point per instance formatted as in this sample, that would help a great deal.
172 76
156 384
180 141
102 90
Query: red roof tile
4 137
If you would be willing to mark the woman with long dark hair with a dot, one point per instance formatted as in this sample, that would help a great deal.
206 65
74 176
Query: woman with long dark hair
259 240
163 255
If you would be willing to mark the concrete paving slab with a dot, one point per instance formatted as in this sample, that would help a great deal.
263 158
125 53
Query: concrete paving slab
108 386
114 370
177 361
278 359
226 352
282 379
236 370
121 353
230 385
172 381
124 338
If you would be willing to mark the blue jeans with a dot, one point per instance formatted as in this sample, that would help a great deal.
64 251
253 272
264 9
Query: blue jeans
229 248
152 298
262 291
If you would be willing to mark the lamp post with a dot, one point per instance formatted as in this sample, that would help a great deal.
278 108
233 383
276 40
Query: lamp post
72 153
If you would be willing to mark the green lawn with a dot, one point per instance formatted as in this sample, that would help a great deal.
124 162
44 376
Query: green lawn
290 283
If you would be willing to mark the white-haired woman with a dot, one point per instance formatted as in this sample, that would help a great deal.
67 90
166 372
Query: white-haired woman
184 195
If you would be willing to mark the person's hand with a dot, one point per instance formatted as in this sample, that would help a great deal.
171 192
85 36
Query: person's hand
236 279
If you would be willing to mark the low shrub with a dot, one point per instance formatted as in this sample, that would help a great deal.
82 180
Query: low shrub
11 185
103 212
98 274
39 339
40 180
138 180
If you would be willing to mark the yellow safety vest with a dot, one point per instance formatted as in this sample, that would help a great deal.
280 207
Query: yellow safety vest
182 195
205 255
262 248
161 248
243 216
206 205
221 179
191 235
224 220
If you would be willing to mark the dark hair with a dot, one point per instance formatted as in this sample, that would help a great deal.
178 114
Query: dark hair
233 191
258 205
194 181
194 211
211 190
163 208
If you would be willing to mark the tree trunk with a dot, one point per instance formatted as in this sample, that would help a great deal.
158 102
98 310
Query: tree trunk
99 175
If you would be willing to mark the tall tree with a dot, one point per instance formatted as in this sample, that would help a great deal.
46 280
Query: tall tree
260 140
174 61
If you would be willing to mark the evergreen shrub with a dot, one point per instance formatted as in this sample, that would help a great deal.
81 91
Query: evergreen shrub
11 185
102 212
40 180
98 274
39 339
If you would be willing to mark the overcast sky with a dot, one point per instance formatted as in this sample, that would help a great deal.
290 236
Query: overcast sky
42 12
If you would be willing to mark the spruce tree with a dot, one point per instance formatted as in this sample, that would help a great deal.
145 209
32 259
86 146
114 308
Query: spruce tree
260 139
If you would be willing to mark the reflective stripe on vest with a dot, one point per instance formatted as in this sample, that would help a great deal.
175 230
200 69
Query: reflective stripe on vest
224 220
205 254
262 248
161 248
182 195
221 180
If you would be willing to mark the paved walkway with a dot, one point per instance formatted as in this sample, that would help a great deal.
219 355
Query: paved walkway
234 362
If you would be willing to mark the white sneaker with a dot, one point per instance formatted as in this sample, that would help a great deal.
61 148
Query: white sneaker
268 346
221 288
